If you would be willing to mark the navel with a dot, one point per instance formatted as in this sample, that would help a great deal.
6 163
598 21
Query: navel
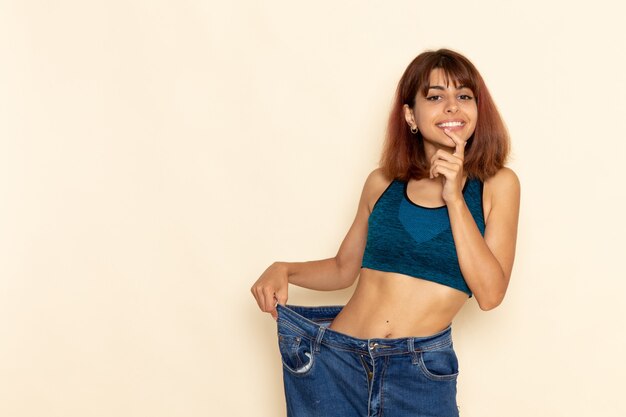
388 335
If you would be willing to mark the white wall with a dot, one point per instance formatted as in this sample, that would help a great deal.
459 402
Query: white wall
156 156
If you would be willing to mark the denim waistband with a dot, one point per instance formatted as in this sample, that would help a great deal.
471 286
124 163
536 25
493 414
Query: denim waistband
312 322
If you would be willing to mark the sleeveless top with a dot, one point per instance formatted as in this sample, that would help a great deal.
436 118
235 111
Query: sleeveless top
409 239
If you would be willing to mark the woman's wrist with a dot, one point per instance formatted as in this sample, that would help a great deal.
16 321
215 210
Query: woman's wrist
455 202
282 266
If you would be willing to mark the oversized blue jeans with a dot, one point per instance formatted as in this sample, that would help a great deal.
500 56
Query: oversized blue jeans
331 374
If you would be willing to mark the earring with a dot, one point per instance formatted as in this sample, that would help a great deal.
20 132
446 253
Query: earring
414 129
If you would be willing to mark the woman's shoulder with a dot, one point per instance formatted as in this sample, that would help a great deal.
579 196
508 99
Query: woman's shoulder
377 180
505 178
375 184
502 189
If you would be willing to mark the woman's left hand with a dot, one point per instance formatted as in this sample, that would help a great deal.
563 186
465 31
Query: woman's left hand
451 167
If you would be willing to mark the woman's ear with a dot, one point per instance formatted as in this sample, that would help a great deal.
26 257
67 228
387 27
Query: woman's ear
409 116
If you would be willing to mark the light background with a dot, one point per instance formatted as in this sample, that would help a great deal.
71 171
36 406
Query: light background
157 156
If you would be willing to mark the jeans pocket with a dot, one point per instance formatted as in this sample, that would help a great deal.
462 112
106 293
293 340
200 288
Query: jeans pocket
439 364
295 348
296 353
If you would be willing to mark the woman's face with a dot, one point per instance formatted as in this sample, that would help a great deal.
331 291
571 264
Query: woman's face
450 107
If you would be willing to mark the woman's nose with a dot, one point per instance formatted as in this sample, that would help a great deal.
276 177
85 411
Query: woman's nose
451 108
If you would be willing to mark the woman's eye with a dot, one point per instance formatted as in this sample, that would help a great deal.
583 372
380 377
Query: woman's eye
466 97
433 98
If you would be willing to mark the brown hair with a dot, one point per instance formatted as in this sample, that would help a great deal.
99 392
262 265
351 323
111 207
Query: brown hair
403 154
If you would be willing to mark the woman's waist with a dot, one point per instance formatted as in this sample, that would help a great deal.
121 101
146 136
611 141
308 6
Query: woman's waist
390 305
312 323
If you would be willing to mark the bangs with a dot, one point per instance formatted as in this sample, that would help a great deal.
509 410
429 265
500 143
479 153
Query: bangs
454 71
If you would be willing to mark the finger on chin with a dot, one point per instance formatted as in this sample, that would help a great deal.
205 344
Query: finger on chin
453 135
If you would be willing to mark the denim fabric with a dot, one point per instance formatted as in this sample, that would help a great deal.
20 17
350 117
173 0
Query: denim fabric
331 374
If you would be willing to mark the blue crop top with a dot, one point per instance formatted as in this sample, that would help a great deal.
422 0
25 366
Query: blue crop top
409 239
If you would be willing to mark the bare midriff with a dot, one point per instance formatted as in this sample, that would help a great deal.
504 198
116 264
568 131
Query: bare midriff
392 305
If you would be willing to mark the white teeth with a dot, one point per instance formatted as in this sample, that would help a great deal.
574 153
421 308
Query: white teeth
451 124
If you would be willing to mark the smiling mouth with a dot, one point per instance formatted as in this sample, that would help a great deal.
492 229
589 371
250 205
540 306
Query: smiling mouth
451 124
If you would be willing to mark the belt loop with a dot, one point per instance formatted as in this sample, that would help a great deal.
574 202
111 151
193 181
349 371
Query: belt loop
414 355
318 339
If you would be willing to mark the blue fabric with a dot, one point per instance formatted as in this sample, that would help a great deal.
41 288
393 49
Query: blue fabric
331 374
409 239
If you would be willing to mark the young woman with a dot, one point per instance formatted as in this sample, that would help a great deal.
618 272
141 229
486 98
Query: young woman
436 224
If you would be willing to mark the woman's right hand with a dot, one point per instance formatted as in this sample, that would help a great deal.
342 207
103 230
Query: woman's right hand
271 288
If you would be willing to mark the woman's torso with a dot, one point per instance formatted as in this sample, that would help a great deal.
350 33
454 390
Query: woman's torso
392 305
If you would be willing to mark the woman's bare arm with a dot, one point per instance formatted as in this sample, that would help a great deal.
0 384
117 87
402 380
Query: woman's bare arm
486 263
